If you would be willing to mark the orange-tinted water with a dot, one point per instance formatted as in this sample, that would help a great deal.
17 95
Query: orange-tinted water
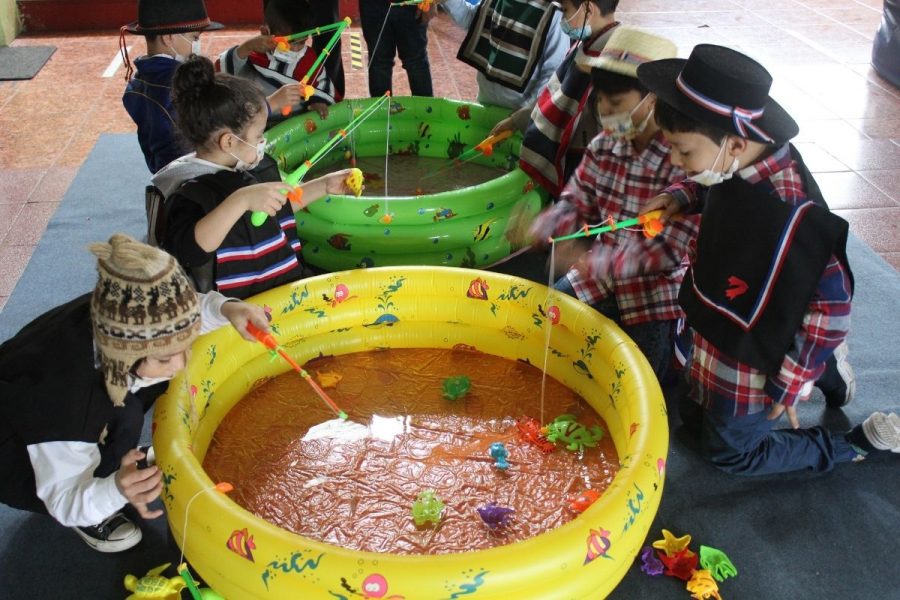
353 483
413 175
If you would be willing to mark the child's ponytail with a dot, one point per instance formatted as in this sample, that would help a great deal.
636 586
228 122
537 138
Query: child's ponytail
207 102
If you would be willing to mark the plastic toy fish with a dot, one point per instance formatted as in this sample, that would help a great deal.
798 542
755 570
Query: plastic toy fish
456 387
576 436
495 516
717 563
650 564
702 586
499 453
154 586
328 379
354 182
681 564
582 501
427 508
530 432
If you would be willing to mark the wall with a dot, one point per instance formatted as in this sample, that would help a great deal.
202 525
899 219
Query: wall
9 22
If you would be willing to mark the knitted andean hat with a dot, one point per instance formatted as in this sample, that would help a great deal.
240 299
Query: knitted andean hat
159 17
143 305
629 47
723 88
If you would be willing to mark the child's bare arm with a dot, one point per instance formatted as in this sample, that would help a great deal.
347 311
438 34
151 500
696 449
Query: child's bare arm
316 189
260 43
211 230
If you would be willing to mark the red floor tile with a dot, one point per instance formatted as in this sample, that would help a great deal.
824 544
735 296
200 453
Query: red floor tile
13 260
880 228
30 224
850 190
887 181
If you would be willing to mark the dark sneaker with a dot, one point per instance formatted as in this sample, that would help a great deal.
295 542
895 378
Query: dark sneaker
838 382
883 431
115 534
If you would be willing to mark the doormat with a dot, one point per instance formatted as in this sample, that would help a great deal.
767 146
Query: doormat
23 62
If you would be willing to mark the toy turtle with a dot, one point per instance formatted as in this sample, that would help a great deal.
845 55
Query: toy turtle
154 586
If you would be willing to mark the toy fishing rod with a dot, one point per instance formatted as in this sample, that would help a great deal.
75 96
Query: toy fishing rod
354 180
483 148
284 40
650 222
309 90
424 5
269 341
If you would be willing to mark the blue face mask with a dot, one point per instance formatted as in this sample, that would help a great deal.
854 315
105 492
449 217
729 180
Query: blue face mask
576 33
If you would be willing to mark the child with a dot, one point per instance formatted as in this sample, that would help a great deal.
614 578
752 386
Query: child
768 291
208 226
512 68
172 30
389 31
258 59
77 381
625 166
559 130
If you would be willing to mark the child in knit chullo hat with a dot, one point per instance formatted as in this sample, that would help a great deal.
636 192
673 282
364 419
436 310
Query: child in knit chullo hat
77 380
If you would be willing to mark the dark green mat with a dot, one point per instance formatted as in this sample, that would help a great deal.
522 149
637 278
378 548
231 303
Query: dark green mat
23 62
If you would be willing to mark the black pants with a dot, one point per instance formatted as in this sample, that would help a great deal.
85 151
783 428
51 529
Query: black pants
401 33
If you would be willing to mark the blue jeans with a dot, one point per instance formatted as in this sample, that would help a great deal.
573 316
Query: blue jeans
750 444
404 34
654 338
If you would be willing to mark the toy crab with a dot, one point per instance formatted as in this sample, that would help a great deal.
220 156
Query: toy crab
154 586
530 432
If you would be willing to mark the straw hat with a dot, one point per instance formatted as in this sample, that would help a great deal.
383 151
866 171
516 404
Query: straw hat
629 47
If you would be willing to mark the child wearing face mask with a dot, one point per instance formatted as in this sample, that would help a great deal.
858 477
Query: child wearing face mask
208 218
269 67
69 426
624 167
557 129
769 288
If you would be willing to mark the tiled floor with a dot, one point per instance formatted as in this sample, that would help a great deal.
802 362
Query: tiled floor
817 50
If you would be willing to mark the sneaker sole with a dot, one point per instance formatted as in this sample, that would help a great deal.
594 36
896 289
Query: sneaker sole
847 374
111 546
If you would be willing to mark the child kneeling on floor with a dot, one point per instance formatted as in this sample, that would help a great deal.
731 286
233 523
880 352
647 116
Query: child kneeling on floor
77 381
208 218
624 167
769 288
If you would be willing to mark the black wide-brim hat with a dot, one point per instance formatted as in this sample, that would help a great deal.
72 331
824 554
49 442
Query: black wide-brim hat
160 17
721 87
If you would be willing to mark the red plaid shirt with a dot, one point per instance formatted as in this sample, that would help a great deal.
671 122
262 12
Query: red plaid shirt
614 182
723 380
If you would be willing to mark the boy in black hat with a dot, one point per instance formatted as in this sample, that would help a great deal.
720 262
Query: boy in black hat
172 29
769 288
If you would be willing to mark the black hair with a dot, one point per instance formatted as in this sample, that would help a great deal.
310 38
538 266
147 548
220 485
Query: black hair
606 7
287 16
610 83
207 102
671 119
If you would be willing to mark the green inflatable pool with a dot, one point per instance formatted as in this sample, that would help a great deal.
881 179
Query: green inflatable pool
459 228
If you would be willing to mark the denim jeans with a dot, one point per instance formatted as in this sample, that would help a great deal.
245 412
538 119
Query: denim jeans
401 33
654 338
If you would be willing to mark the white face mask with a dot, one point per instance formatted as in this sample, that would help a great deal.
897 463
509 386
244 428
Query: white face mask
709 177
245 166
195 48
621 124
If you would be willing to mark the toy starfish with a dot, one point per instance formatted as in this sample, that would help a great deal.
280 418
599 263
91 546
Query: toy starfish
671 544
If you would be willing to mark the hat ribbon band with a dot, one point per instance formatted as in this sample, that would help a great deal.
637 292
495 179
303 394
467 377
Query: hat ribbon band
743 117
625 56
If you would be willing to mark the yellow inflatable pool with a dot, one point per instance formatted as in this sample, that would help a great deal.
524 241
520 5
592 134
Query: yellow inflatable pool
243 557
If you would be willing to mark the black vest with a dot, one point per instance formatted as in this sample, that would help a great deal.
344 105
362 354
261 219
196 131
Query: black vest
758 263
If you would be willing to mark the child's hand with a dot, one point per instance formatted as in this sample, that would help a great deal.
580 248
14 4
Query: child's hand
288 95
667 203
506 124
240 313
336 183
519 228
321 108
139 486
261 44
264 197
778 409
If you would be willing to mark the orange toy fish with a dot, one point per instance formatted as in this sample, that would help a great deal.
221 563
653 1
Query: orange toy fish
582 501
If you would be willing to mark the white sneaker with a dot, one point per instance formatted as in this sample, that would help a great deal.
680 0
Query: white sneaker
845 385
883 431
115 534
